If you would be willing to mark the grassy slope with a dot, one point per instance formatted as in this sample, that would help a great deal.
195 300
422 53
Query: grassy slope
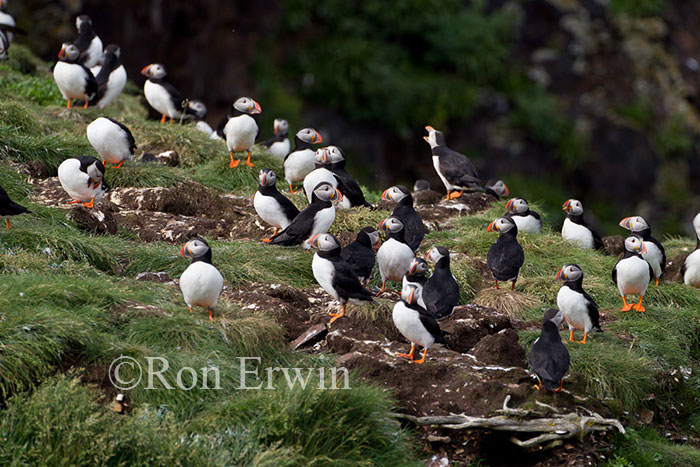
62 316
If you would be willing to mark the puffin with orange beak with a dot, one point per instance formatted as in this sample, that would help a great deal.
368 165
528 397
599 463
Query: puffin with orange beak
633 273
321 173
360 253
300 162
242 130
527 220
348 186
160 94
455 170
441 292
82 177
506 256
394 256
335 275
579 309
654 253
416 275
496 188
271 205
278 145
406 213
201 283
575 229
73 79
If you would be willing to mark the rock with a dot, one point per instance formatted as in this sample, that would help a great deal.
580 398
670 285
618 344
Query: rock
310 336
153 277
614 245
500 349
471 323
424 197
94 220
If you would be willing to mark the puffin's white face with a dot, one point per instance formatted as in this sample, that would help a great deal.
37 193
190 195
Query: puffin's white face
696 225
435 254
391 225
194 248
324 242
573 206
432 138
267 177
335 154
374 238
517 206
635 244
501 224
410 293
500 188
418 267
555 316
247 105
570 272
309 135
155 71
69 52
394 194
281 126
82 19
634 223
198 108
326 192
321 156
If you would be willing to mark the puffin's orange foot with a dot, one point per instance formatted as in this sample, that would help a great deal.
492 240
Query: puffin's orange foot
639 307
190 309
422 360
291 190
75 201
455 194
561 386
70 103
90 204
657 281
249 164
627 307
85 105
210 317
405 355
118 166
162 119
234 163
381 291
335 316
7 221
266 240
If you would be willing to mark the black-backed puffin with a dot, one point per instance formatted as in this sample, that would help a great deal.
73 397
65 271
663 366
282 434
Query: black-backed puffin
7 21
321 173
496 188
415 323
527 220
198 110
455 170
335 275
549 357
161 95
655 253
110 77
201 283
347 185
579 309
394 256
241 130
316 218
404 211
83 179
9 208
278 145
73 79
575 229
300 162
441 292
506 256
89 44
271 205
360 253
417 274
633 273
112 140
690 271
421 185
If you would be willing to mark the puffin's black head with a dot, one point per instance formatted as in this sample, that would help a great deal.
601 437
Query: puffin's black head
436 253
309 135
324 242
247 106
83 21
154 71
502 224
635 244
421 185
395 193
517 205
96 171
635 224
570 272
554 316
195 248
390 225
267 177
410 293
69 53
373 235
573 207
327 192
498 187
197 108
280 127
418 267
435 138
113 49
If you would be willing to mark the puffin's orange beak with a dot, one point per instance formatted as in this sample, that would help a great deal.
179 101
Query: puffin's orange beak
509 204
316 138
559 273
274 128
182 250
145 70
644 249
62 53
313 241
255 108
626 223
411 296
385 195
429 128
263 179
491 227
567 206
380 227
427 256
337 195
413 268
507 193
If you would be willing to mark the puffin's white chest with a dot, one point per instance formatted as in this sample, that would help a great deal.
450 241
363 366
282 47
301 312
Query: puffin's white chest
394 259
204 127
573 306
115 86
527 224
408 323
270 211
317 176
323 220
632 275
324 272
240 133
159 98
94 52
692 269
201 285
8 20
75 182
577 233
436 164
109 140
70 79
280 148
654 257
298 165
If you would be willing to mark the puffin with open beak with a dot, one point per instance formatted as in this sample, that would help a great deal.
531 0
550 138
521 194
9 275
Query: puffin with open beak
278 145
579 309
655 253
73 79
505 257
160 94
527 220
360 253
549 358
394 256
201 283
242 130
406 213
300 162
575 229
441 292
271 205
456 171
632 273
83 179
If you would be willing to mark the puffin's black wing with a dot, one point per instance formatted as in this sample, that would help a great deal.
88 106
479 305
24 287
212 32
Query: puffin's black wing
592 311
663 253
360 258
414 230
129 136
614 273
269 142
549 360
175 95
290 210
222 124
456 167
431 326
346 283
440 294
90 83
299 229
535 214
505 258
350 188
597 241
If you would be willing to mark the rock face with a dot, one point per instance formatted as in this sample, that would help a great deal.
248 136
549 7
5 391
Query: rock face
97 221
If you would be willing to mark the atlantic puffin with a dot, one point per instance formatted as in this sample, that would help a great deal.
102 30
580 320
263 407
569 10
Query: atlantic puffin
416 324
89 44
527 220
575 229
417 274
360 253
83 179
655 253
441 292
632 273
4 43
579 309
321 173
549 357
112 140
347 185
198 110
300 162
160 94
278 145
9 208
690 271
506 256
110 77
455 170
73 79
496 188
271 205
242 129
394 256
316 218
201 283
421 185
7 21
335 275
405 212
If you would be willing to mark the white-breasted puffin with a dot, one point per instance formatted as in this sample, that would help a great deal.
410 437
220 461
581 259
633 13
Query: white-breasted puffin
9 208
335 275
316 218
348 186
112 140
527 220
271 205
455 170
406 213
579 309
655 253
73 79
278 145
415 323
198 110
360 253
321 173
441 292
300 162
575 229
89 44
417 274
6 19
549 357
394 256
496 188
160 94
241 130
110 77
506 256
201 283
633 273
690 271
83 179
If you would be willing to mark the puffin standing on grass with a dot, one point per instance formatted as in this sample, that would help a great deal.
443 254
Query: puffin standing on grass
632 273
278 145
201 283
335 275
405 212
73 79
300 162
9 208
89 44
441 292
655 253
241 130
690 271
83 179
506 256
549 357
578 308
161 95
527 220
455 170
394 256
360 253
271 205
575 229
112 140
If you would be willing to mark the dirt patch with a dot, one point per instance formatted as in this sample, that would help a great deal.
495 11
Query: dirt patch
674 266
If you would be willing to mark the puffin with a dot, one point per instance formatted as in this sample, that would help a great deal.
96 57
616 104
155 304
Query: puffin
360 253
348 186
335 275
455 170
300 162
506 256
89 44
83 179
575 229
7 23
161 95
496 188
416 324
416 275
404 211
9 208
198 110
322 172
421 185
655 253
112 140
242 129
690 271
278 145
549 357
4 43
316 218
73 79
394 256
201 283
527 220
271 205
579 309
441 291
632 273
110 77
